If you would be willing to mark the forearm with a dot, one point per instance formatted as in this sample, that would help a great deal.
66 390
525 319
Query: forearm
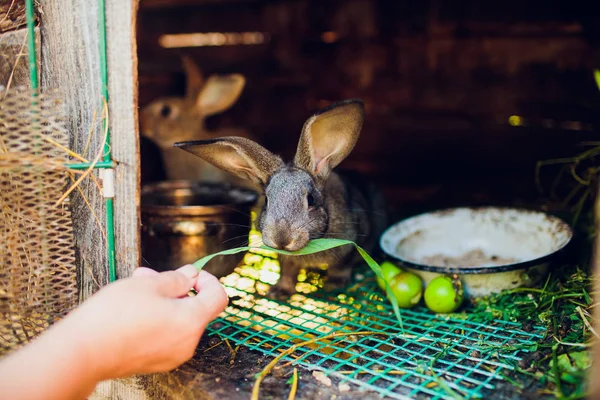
139 325
54 366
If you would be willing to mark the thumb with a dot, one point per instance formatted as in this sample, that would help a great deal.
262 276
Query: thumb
174 283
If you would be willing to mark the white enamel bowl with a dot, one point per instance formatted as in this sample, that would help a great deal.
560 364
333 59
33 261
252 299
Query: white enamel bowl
526 240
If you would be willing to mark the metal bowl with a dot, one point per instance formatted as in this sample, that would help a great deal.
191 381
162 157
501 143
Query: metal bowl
491 249
183 221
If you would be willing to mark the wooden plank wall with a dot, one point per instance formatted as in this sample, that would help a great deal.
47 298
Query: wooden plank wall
123 89
70 62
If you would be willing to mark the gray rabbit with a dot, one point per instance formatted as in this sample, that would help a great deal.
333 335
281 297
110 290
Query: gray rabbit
305 199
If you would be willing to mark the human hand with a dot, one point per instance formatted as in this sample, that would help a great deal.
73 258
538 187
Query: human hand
146 323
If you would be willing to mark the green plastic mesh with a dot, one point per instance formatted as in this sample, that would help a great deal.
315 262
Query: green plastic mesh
436 356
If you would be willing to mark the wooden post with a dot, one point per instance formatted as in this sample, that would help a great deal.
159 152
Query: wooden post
70 62
123 88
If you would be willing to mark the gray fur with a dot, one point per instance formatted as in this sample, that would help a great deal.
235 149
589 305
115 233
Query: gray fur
287 221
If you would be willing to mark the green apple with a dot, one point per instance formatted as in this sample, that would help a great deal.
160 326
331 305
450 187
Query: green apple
407 288
388 270
444 294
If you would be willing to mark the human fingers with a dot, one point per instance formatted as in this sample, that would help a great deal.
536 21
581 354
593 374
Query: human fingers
211 299
143 271
173 283
205 279
189 270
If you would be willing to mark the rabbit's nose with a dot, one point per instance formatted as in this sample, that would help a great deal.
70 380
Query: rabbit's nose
273 239
292 245
280 240
288 244
282 235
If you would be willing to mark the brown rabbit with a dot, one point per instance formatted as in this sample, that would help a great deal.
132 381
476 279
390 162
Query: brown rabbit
175 119
305 199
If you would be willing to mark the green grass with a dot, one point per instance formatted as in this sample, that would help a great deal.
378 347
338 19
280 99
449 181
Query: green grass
564 306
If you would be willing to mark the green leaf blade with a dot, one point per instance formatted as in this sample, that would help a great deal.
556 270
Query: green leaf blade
315 246
204 260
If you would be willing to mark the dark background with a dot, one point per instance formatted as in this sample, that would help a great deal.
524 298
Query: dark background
440 80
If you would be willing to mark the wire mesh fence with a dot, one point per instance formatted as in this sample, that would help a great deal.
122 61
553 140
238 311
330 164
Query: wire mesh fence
37 262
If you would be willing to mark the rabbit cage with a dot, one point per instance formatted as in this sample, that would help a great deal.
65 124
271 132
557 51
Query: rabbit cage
466 104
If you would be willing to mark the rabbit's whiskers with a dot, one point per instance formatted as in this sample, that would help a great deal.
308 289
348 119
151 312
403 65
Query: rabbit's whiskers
366 211
245 237
239 225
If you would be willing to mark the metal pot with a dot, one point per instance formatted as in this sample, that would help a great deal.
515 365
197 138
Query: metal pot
182 221
511 247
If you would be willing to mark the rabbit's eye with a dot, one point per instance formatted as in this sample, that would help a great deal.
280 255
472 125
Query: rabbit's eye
310 200
165 111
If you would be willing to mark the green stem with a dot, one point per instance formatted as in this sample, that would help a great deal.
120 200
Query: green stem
441 381
556 372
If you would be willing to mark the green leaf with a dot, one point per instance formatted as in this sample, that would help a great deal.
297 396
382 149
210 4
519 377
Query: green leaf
314 246
572 366
597 78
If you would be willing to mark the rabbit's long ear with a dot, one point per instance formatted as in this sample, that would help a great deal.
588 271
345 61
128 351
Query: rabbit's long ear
194 78
240 156
219 93
329 136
